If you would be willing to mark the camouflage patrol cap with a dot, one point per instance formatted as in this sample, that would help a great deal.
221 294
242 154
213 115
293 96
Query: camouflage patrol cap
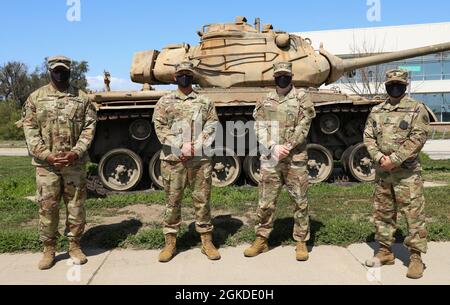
282 67
397 75
59 61
185 66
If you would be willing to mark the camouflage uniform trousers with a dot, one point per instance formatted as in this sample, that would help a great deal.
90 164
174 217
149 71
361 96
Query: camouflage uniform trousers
69 184
402 190
295 176
176 176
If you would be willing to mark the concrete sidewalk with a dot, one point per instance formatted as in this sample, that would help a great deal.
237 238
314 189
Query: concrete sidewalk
327 265
438 149
13 152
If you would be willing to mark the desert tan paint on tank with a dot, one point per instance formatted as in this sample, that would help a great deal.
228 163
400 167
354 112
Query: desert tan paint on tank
234 64
239 55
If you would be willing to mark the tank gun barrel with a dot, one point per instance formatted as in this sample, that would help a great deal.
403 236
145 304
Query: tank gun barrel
357 63
240 55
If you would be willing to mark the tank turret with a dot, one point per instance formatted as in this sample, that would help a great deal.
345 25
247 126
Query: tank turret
240 55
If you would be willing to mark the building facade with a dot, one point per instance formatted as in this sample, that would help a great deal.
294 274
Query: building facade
430 74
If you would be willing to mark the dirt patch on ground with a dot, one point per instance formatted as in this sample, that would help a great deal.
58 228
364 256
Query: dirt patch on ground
245 219
101 220
147 214
151 214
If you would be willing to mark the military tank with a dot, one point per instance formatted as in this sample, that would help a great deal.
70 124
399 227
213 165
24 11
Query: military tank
233 64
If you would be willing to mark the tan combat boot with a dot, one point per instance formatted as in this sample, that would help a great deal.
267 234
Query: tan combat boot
76 254
169 250
383 257
48 260
260 245
208 247
416 266
301 252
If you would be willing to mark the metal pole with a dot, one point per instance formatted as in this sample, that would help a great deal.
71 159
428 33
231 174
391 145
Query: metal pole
410 83
442 107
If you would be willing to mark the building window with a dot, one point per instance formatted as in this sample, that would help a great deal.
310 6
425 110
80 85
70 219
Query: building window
432 70
439 103
446 69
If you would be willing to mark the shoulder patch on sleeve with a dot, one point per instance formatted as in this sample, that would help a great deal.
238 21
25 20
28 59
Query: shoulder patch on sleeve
404 125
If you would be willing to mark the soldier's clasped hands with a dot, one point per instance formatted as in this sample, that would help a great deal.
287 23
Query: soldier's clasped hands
62 160
187 151
386 164
280 152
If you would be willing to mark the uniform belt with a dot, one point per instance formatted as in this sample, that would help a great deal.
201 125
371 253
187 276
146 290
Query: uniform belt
410 164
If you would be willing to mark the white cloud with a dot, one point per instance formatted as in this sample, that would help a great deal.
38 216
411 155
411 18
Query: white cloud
117 84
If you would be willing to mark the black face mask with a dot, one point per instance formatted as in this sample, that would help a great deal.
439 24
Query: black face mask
396 90
283 81
60 77
185 80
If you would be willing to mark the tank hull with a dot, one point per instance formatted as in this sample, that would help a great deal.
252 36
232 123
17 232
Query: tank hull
118 111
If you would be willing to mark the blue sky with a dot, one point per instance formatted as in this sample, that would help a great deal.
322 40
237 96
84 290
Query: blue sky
110 31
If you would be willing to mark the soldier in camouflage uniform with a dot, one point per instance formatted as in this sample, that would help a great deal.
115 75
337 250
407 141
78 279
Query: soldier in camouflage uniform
395 133
185 123
59 124
283 120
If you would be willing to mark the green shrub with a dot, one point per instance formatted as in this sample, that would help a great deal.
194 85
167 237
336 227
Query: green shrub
343 231
147 239
10 113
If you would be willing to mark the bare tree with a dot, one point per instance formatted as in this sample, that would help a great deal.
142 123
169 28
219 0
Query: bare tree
368 81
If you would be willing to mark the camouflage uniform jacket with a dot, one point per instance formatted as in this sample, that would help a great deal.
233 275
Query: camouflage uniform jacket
285 121
56 122
399 131
181 119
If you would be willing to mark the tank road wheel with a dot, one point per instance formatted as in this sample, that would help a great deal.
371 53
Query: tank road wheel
140 130
320 163
120 170
252 166
345 157
359 164
226 167
330 123
154 169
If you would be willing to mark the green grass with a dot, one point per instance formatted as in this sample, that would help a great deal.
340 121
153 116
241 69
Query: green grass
434 165
121 201
17 178
340 215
